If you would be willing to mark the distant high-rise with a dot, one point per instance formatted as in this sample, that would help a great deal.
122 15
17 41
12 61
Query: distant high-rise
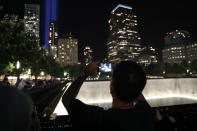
53 39
176 43
32 19
192 51
87 52
68 50
124 41
147 56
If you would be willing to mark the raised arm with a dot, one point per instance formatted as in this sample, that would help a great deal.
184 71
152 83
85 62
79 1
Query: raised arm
73 90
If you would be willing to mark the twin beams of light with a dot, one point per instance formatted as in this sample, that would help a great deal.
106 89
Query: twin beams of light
50 15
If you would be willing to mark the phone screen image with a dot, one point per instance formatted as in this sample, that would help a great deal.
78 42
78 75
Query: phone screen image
105 67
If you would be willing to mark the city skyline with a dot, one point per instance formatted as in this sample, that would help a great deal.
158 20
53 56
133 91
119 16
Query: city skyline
88 21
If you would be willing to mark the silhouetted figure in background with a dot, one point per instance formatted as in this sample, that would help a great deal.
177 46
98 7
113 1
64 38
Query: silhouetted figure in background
129 111
5 82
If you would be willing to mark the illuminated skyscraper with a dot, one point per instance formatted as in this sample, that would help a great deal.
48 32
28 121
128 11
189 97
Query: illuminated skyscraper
32 19
147 56
176 43
68 50
192 51
53 39
124 41
87 53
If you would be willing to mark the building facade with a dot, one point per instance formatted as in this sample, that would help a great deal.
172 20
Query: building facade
192 51
148 56
32 19
68 50
87 53
124 41
176 43
174 54
53 39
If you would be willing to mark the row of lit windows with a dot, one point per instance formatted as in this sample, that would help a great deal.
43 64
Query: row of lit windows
191 46
176 57
193 55
113 54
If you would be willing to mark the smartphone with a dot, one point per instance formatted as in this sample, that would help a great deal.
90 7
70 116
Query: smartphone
105 67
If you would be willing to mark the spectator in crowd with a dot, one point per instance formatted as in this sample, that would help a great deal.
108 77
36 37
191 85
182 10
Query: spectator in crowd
21 84
130 110
28 85
39 84
5 82
16 110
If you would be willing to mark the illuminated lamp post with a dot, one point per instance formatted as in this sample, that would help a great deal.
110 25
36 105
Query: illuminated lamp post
29 73
187 72
18 65
42 74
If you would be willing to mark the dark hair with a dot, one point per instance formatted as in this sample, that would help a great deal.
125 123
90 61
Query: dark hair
5 79
129 80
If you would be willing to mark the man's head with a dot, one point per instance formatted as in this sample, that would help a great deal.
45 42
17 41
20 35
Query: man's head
128 81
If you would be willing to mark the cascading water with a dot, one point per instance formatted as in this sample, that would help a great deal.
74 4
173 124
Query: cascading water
158 92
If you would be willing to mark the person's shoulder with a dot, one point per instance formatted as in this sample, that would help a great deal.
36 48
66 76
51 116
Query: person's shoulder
144 108
142 103
76 103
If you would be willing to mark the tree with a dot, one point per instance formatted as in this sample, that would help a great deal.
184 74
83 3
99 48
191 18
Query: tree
155 69
16 44
53 67
74 70
194 66
177 68
185 66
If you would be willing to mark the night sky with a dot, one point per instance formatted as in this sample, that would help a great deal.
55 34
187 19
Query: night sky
87 20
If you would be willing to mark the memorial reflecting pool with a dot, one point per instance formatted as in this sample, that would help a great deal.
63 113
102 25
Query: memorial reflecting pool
158 92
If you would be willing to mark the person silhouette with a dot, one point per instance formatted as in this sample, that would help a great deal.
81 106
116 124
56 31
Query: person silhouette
16 110
129 111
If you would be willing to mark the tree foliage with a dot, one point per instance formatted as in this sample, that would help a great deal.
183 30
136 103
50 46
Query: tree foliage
18 45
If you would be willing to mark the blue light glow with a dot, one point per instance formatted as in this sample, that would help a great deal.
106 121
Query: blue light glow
50 14
122 6
53 10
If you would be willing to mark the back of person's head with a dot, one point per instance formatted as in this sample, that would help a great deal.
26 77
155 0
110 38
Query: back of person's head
39 83
5 79
128 80
16 110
